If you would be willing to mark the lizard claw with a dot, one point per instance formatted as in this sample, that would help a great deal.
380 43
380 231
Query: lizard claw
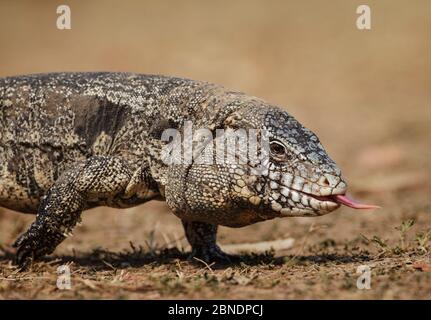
25 253
34 244
24 257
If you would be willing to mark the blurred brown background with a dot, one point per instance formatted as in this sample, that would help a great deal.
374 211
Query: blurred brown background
366 94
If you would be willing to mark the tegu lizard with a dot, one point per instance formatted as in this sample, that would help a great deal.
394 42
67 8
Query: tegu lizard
74 141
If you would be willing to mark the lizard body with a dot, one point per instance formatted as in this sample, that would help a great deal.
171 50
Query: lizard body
73 141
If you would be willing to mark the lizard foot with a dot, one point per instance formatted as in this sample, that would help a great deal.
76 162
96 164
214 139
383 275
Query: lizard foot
211 254
33 244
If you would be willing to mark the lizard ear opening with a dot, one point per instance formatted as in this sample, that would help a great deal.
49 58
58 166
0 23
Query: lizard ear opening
158 127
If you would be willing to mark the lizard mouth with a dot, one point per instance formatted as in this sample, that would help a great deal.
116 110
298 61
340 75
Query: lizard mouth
342 199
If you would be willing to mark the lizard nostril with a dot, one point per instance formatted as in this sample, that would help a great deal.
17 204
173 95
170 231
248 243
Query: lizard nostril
325 182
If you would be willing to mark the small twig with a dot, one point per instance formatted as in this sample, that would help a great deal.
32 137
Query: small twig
206 264
23 278
109 265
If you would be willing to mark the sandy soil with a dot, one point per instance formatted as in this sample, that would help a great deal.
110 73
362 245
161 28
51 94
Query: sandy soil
365 93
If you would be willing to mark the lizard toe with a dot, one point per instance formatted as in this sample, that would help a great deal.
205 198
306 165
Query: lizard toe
24 257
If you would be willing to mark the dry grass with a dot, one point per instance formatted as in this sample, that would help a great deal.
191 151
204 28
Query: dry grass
400 269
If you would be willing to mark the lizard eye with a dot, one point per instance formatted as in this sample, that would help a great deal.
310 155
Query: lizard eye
278 151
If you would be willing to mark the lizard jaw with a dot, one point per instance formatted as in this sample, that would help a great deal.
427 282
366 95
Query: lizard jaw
300 203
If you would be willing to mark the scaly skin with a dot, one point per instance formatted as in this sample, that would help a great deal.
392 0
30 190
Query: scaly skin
73 141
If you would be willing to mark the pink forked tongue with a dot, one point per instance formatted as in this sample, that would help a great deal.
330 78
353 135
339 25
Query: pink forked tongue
343 199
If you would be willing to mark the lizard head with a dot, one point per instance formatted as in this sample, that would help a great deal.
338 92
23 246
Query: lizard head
296 175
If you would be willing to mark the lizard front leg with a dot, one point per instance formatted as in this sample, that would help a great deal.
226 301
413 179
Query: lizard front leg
202 238
96 178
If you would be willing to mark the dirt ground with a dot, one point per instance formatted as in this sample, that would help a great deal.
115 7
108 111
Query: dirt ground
366 94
